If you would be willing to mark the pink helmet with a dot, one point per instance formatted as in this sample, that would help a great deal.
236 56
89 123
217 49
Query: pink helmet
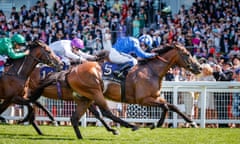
76 42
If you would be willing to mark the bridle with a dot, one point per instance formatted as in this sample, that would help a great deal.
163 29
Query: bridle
185 58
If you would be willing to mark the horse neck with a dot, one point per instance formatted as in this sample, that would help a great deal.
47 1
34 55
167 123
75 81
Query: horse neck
22 67
162 64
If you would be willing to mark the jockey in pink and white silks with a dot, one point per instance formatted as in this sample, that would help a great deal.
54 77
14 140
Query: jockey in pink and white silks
121 51
69 51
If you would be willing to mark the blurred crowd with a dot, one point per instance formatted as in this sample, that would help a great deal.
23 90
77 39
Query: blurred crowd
210 29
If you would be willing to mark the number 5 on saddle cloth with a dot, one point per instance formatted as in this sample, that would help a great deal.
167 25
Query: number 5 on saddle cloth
115 72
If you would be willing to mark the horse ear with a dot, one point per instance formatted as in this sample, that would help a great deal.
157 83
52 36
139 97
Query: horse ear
175 44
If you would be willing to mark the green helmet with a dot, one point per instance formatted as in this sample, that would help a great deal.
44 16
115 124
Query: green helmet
19 39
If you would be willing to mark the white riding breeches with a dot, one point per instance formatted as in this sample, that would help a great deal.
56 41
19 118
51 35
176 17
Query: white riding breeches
120 58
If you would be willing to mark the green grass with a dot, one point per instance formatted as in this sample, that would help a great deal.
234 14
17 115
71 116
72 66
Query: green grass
25 134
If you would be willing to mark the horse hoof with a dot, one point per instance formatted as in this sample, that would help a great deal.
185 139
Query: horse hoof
115 132
193 124
55 123
152 127
20 122
135 128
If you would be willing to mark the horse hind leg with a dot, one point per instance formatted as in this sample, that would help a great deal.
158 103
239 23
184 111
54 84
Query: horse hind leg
39 105
110 115
185 117
93 109
3 106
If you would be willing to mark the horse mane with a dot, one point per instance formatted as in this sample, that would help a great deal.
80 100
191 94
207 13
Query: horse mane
163 50
158 51
36 43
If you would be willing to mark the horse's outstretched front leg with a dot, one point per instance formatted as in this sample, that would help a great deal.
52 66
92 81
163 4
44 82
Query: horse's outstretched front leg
32 119
185 117
93 109
82 106
31 113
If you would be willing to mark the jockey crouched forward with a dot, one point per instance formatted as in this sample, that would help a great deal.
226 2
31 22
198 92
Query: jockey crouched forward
70 53
121 52
13 48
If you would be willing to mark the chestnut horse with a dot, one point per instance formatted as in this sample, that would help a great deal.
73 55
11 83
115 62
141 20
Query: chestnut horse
143 85
13 80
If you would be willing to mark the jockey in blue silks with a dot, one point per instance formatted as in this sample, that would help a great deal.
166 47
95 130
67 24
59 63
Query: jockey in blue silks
121 51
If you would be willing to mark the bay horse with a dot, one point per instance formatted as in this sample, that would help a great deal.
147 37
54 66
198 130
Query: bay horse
13 80
143 85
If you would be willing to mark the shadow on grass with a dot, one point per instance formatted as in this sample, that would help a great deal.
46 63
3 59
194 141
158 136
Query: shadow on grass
53 137
34 137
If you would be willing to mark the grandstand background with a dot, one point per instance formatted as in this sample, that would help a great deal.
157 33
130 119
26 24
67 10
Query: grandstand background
6 5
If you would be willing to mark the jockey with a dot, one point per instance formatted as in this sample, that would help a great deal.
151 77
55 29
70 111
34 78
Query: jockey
69 51
146 42
122 50
13 48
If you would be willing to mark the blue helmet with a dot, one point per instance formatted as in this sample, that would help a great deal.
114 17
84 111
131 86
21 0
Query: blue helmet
146 39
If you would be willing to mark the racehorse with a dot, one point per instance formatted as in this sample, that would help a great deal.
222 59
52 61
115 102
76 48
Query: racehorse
13 80
143 85
52 91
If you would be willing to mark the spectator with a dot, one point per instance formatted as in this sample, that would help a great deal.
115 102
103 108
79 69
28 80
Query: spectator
97 46
107 39
223 73
142 18
236 99
136 27
187 98
207 75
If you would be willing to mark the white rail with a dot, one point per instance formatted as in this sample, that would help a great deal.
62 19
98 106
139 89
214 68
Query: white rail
173 91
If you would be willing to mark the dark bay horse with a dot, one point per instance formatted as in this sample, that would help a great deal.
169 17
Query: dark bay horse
13 80
143 85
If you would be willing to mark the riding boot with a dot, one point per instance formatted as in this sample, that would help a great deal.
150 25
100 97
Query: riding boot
121 73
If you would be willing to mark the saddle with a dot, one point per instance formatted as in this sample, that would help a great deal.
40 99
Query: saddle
59 78
116 73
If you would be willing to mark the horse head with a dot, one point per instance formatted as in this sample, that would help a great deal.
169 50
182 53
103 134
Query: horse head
177 54
42 53
185 59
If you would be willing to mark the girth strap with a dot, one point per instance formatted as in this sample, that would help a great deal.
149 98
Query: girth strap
123 96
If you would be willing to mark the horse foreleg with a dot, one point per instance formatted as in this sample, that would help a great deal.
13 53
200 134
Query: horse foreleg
163 115
6 103
185 117
39 105
32 119
110 115
31 113
93 109
82 106
28 116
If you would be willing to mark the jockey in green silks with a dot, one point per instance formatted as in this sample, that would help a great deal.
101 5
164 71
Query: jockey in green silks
12 48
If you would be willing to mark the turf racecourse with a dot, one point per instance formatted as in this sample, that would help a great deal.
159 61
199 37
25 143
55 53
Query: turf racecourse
25 134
